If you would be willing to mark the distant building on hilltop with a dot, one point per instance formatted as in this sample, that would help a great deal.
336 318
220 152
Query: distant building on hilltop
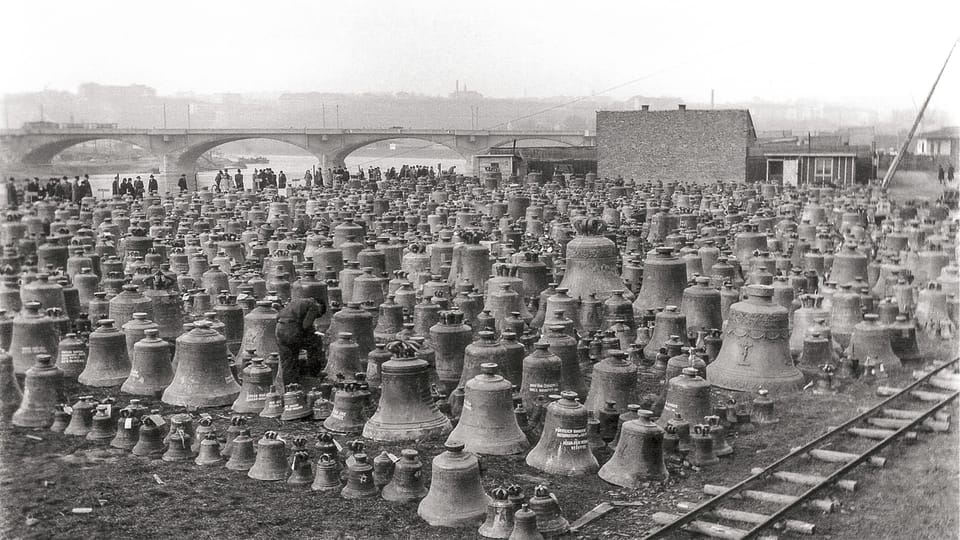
674 145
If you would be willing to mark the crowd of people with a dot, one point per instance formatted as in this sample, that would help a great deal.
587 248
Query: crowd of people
61 188
134 186
948 175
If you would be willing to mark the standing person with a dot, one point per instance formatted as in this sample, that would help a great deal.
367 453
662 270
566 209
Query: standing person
152 186
182 183
11 188
138 188
282 184
295 332
318 179
940 174
950 173
238 180
308 178
116 185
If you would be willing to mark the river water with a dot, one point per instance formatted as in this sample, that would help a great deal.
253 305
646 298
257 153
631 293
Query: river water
293 166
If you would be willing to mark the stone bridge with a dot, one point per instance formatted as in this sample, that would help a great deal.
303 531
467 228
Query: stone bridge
178 149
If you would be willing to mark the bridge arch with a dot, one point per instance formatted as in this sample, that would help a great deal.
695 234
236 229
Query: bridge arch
187 160
341 153
44 153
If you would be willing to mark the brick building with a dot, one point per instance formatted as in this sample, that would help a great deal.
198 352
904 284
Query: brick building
674 145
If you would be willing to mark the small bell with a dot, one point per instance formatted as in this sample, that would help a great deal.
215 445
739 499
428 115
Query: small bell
525 525
209 453
407 482
61 419
824 383
382 469
179 447
763 412
639 455
294 403
347 416
360 484
301 470
205 427
327 477
594 441
720 445
703 454
499 522
745 420
102 426
516 496
271 461
150 439
236 424
242 455
81 419
672 457
550 520
609 417
273 405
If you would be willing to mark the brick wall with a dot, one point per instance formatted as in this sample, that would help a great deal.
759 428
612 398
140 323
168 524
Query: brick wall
688 145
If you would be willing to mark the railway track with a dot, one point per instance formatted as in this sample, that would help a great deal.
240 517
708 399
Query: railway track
903 415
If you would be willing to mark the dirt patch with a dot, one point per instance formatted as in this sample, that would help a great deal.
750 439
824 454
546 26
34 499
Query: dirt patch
915 496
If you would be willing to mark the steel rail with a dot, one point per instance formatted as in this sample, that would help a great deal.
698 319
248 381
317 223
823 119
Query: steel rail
733 490
776 516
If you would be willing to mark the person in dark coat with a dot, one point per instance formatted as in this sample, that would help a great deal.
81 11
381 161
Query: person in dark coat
238 180
940 174
152 185
295 332
138 188
182 183
950 172
116 185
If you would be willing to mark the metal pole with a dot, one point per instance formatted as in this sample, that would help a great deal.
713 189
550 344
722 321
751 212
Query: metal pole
188 116
916 122
338 116
323 115
164 116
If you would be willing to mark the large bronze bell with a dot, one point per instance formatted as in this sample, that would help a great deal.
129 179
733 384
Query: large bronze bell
669 322
42 387
10 394
295 403
203 377
128 302
591 261
614 379
664 278
360 484
563 448
701 306
687 395
71 355
487 423
485 349
134 329
406 485
257 382
406 410
271 461
471 262
499 522
347 416
33 334
542 375
756 348
810 310
848 264
450 338
456 497
150 368
638 457
845 313
107 362
871 339
357 321
565 347
260 330
903 339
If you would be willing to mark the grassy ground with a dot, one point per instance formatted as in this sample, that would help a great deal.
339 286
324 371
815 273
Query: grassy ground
42 481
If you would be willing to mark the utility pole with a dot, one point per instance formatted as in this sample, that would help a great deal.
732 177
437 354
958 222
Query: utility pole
338 116
188 116
164 115
323 115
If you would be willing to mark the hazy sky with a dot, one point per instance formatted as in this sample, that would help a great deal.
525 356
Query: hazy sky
840 50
